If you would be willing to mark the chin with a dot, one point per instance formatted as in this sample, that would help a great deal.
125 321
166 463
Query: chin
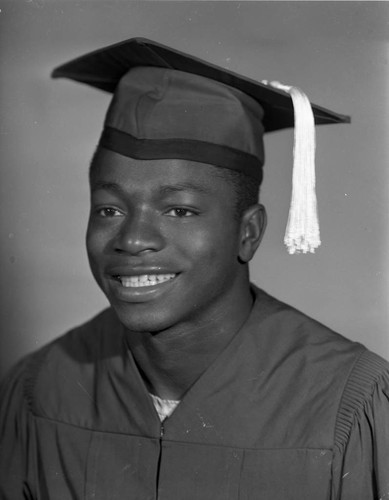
142 319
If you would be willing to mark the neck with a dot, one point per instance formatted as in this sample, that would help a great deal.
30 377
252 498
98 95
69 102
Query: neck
172 360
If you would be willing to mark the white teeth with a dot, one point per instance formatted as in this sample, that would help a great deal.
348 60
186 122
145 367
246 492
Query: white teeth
144 280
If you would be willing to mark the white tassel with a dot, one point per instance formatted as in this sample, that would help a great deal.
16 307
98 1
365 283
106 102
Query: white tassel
302 231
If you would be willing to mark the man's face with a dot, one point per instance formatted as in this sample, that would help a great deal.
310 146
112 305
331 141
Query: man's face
163 240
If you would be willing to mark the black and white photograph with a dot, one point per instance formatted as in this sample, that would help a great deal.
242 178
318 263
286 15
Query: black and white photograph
195 245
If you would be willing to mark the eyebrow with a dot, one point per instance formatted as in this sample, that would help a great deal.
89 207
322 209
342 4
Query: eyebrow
109 186
165 190
183 186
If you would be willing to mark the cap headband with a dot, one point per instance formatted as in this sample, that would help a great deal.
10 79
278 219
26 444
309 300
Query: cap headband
185 149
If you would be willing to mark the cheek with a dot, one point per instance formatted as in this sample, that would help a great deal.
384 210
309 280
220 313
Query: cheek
98 239
92 245
96 244
211 248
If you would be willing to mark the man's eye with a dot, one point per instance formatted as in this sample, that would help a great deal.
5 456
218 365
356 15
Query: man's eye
180 212
109 212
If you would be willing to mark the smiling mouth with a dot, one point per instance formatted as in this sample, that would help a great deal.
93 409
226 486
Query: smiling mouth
144 280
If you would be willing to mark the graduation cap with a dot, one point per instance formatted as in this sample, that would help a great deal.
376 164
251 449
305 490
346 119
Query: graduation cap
167 104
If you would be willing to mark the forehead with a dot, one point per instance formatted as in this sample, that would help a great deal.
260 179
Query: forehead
131 175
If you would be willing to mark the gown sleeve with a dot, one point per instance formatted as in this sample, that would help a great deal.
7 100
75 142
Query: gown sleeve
362 434
14 436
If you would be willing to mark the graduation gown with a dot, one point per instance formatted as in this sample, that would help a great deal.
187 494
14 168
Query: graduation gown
289 410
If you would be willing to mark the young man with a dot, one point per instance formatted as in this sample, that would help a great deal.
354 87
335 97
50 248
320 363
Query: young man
194 384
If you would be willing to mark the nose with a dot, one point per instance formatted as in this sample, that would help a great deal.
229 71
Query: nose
139 233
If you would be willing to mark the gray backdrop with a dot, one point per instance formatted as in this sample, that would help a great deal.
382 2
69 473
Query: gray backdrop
336 51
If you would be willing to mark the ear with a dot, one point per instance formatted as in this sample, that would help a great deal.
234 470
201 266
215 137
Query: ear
253 225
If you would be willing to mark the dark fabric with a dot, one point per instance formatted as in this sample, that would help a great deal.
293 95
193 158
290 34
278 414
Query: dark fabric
167 104
289 410
180 115
154 149
104 68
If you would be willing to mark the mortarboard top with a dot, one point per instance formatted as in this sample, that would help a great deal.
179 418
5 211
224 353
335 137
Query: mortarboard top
104 68
168 104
